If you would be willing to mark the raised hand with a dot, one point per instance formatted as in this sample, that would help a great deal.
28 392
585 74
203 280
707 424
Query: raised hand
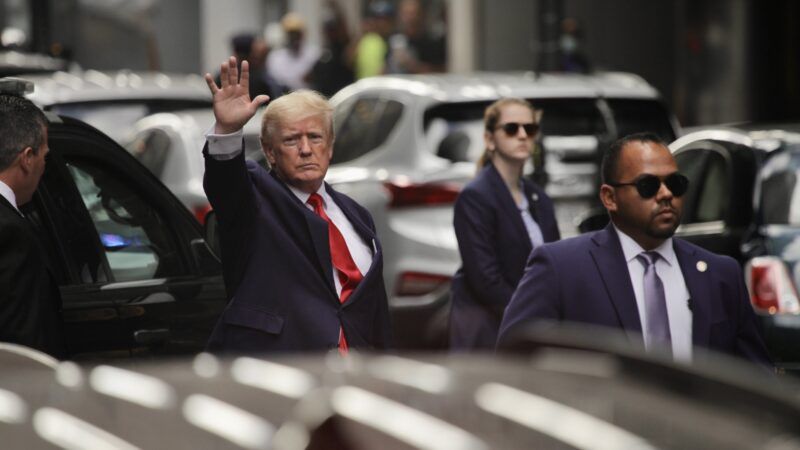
232 104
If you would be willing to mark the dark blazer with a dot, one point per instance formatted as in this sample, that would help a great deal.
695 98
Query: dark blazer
30 302
585 279
278 272
494 246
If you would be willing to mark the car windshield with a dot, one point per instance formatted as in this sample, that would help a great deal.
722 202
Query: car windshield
455 131
780 190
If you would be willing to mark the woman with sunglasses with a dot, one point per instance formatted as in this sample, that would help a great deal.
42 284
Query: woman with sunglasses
499 218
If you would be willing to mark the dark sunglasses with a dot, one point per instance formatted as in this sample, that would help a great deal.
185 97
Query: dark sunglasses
512 128
648 185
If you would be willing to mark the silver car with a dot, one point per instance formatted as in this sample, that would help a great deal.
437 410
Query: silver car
113 101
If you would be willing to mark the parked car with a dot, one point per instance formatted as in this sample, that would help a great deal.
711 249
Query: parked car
405 145
14 63
135 273
170 144
556 395
744 201
113 101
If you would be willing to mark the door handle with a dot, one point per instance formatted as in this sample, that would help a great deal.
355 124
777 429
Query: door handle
151 337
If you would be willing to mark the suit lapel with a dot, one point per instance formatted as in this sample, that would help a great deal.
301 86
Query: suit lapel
366 234
317 231
7 204
699 292
613 269
508 207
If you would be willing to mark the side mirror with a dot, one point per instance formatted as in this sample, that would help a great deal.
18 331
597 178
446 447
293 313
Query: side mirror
593 220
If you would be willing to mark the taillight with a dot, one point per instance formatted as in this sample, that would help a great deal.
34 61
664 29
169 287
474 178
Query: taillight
421 194
771 288
419 283
200 212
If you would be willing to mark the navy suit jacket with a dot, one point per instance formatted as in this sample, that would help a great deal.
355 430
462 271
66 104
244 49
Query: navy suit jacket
30 302
494 246
278 271
585 279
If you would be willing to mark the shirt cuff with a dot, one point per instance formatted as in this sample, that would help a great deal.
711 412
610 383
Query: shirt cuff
224 146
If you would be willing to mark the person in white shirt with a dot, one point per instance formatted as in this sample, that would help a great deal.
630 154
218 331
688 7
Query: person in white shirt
291 64
302 263
663 292
30 302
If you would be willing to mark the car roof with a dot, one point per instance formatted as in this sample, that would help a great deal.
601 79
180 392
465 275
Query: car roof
201 117
765 136
93 85
454 87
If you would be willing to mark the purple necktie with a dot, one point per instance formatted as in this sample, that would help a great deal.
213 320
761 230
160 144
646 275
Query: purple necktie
655 304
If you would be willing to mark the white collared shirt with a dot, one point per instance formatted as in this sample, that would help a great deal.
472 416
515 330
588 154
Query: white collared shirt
228 146
9 195
675 290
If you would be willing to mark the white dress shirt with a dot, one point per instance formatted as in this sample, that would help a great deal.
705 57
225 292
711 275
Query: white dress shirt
228 146
675 290
9 195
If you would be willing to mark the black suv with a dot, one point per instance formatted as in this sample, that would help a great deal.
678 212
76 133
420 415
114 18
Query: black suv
136 274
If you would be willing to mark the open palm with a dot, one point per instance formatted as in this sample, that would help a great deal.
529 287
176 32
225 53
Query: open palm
232 104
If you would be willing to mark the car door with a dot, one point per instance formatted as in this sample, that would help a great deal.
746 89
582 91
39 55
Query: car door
137 277
709 203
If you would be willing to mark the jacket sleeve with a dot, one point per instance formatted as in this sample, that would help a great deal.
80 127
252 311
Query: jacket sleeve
475 222
536 296
232 196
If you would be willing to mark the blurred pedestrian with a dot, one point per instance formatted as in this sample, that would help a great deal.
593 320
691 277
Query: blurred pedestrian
291 64
302 263
633 275
570 46
372 49
499 217
249 47
334 68
413 49
30 302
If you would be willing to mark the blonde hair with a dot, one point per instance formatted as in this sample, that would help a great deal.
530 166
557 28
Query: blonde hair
491 116
294 106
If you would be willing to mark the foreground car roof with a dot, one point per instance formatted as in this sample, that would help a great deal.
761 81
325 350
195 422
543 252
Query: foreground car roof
491 85
93 85
551 398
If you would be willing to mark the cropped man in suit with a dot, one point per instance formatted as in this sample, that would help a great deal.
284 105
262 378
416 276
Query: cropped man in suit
302 263
634 275
30 303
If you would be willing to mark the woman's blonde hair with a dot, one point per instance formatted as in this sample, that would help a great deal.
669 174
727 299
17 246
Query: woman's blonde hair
491 116
296 105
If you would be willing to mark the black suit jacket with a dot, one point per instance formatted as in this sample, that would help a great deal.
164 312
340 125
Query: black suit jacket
278 272
30 303
494 245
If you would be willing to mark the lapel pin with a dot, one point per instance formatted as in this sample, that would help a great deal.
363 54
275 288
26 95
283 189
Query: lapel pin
702 266
535 197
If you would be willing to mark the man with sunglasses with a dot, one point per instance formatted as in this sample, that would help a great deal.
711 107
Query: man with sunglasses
633 275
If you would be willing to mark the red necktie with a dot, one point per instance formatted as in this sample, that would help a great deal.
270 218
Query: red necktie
349 275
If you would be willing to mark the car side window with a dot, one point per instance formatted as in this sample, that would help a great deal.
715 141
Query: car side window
152 149
712 202
706 200
365 127
135 238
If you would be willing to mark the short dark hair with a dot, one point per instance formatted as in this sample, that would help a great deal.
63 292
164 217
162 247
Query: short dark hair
22 125
609 168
